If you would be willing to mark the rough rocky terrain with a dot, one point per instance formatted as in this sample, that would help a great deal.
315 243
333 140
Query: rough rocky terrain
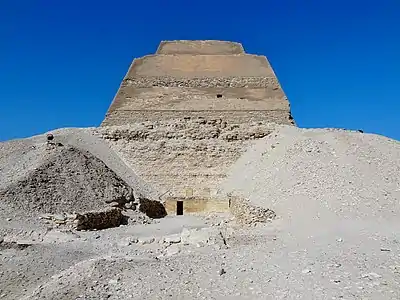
336 234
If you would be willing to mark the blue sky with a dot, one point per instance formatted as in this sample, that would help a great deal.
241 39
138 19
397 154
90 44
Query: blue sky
61 62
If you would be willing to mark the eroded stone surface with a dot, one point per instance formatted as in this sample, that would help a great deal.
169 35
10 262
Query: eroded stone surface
110 217
183 152
199 76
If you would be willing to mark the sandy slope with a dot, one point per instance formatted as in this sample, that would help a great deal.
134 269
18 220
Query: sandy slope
337 235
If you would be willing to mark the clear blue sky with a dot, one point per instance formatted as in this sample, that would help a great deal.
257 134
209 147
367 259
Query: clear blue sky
61 62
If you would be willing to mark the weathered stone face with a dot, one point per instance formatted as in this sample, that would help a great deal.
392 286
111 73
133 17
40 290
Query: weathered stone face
214 79
199 47
181 117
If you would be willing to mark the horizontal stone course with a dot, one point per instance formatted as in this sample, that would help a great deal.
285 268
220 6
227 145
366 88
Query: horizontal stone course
174 98
120 117
202 82
200 66
208 47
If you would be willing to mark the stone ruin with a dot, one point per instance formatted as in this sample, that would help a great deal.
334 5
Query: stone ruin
210 79
183 116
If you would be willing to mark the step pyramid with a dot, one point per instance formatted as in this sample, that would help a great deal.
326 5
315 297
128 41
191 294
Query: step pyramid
188 112
209 79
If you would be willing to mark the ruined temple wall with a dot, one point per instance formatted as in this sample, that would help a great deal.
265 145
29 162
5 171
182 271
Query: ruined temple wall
180 153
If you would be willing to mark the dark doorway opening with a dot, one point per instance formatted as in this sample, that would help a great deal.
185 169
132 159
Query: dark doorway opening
179 208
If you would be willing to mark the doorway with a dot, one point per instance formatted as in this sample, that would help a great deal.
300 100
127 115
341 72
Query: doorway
179 208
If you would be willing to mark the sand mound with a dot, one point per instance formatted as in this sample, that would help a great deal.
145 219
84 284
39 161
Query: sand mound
67 180
320 174
77 172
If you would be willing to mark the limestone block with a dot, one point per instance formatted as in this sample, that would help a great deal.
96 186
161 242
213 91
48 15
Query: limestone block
209 47
202 82
201 237
186 65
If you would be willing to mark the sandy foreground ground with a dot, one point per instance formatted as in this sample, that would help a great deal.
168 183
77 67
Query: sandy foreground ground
336 236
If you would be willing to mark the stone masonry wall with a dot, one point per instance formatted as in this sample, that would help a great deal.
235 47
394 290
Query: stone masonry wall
245 98
181 117
195 66
196 82
119 117
187 152
208 47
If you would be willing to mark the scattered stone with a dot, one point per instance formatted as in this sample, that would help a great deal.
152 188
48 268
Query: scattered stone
127 241
113 281
146 240
46 216
20 245
306 271
371 275
172 239
385 249
172 250
336 281
59 218
202 237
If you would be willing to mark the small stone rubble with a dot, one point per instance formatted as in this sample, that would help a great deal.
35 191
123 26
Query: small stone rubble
249 214
202 237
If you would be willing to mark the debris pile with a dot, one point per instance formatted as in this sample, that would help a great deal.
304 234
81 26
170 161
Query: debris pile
320 174
72 186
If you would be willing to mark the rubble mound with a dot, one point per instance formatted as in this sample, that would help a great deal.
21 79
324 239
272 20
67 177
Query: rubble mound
307 175
60 179
68 180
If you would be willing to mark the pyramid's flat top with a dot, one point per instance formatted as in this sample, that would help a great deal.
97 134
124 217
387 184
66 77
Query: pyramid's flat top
200 47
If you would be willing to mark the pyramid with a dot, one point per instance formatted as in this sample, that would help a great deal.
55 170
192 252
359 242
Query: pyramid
209 79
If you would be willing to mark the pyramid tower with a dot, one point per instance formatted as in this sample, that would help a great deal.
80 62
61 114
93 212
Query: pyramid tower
188 112
212 79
